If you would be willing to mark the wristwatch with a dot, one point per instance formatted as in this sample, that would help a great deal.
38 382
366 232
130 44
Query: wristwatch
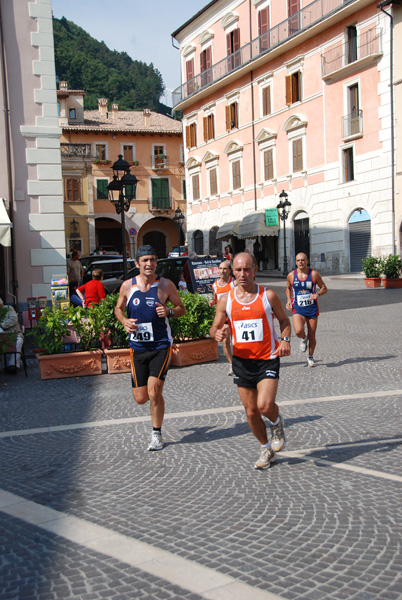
285 339
171 313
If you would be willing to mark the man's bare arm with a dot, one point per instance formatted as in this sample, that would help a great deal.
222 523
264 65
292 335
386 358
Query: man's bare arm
284 323
220 329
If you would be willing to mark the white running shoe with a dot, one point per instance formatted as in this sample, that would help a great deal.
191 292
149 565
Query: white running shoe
278 441
310 362
230 372
303 344
156 441
267 457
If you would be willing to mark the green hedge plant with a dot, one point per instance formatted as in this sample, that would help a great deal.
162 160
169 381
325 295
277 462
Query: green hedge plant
195 324
392 266
372 266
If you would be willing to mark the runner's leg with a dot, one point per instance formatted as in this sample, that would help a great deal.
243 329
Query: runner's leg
249 397
311 330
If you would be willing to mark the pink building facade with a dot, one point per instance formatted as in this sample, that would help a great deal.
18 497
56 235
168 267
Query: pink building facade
293 97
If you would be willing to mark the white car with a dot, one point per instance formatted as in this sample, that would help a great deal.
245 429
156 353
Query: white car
174 253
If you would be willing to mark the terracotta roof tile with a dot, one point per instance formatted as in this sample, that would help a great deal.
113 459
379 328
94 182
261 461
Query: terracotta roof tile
127 120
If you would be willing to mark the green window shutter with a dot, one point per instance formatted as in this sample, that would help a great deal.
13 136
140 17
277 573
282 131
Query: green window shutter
101 189
160 193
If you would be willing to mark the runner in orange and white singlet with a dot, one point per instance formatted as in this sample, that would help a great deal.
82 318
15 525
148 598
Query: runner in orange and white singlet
221 287
250 310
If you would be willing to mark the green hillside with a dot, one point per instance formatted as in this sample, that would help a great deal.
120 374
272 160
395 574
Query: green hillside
89 65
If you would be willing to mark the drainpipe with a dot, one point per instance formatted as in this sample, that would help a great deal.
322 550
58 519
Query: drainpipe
9 161
381 5
253 117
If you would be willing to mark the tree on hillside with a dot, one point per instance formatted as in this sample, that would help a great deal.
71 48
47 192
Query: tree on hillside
89 65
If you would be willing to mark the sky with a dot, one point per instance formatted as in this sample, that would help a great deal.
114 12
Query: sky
142 29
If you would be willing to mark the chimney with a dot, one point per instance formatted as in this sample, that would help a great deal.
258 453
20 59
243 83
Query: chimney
102 106
63 86
147 117
115 109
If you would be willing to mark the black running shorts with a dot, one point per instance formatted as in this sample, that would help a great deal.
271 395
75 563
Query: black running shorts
247 372
149 363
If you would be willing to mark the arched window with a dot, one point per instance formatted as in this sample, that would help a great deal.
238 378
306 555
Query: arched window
198 238
157 240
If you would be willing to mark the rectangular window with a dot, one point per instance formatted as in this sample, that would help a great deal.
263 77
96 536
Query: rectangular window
266 101
128 153
353 101
232 119
233 49
190 75
213 182
293 8
263 28
209 128
184 189
293 87
191 135
196 186
101 189
72 190
159 157
297 146
351 33
160 193
100 151
205 65
72 113
348 168
268 165
236 174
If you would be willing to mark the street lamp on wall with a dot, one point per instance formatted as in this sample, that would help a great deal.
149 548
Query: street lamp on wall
284 209
179 219
122 190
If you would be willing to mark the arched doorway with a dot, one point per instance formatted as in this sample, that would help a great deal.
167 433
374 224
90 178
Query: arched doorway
302 233
158 242
214 245
198 238
359 238
108 234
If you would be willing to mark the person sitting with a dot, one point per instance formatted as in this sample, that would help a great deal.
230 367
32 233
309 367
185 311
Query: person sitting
182 285
93 291
9 325
75 300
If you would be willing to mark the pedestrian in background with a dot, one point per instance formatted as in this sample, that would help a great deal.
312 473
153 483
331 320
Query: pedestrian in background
75 272
302 300
93 291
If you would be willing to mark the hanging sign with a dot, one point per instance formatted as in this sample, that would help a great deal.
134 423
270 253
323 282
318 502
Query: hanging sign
271 217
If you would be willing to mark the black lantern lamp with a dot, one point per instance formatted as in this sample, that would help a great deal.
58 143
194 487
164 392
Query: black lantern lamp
179 219
122 190
284 209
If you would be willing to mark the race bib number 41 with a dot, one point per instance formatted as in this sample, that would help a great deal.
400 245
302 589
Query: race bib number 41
249 331
144 333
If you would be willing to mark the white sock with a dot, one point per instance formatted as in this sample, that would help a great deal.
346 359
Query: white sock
265 445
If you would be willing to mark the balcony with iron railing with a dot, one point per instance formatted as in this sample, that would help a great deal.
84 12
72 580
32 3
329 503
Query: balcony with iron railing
352 125
160 203
351 55
159 161
281 33
80 150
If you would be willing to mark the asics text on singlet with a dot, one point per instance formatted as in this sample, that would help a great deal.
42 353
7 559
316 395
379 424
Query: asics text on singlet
252 326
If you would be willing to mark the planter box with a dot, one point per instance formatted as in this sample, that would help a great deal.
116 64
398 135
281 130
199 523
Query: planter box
70 364
392 283
118 360
192 353
372 282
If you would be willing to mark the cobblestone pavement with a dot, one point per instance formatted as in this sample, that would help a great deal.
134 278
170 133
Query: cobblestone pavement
87 513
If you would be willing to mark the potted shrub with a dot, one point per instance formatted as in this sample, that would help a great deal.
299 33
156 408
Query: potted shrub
55 329
116 347
191 341
372 269
392 268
